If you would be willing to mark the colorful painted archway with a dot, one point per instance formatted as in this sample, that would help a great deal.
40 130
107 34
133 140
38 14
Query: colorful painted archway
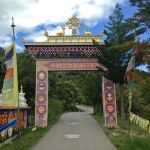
61 53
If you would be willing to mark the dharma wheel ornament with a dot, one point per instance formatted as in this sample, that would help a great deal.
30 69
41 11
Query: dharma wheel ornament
74 24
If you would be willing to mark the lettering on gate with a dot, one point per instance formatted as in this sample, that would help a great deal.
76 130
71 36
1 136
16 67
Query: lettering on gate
52 66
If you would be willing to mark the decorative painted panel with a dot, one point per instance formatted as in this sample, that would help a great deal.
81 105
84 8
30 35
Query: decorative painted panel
109 102
9 122
41 104
63 51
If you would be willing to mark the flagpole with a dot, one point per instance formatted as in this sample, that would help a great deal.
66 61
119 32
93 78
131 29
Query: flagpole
129 110
13 28
131 90
14 40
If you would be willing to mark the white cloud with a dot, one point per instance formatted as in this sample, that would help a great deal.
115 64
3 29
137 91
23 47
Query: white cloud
8 41
19 48
38 36
29 14
5 42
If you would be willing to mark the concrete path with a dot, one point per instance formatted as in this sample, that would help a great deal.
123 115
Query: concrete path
75 131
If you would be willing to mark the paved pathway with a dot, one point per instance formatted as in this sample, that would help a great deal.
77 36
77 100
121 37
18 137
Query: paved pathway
75 131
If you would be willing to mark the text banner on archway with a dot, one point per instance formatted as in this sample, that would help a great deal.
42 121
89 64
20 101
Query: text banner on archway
57 65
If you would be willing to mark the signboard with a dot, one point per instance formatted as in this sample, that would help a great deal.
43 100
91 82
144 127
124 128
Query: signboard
9 122
65 65
109 102
79 65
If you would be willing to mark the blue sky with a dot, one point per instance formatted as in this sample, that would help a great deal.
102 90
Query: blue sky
33 17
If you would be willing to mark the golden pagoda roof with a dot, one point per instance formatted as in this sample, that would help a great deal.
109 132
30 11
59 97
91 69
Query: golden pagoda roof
68 40
74 39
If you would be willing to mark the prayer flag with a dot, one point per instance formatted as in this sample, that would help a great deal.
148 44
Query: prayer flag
130 68
10 85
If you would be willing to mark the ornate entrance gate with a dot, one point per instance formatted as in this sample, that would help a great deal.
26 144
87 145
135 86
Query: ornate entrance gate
60 53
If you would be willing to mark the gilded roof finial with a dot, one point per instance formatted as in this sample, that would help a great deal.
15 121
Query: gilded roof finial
74 24
61 33
21 90
87 33
46 33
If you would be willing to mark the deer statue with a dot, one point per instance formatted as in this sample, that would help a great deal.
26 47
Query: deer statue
46 33
101 34
87 33
61 33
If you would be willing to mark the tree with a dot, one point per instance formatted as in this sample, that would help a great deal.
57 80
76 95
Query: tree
119 30
26 75
143 13
141 98
68 92
142 48
142 16
114 28
118 49
90 86
141 95
2 67
53 78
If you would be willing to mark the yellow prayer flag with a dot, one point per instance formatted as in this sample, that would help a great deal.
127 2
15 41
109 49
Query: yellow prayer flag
10 85
141 122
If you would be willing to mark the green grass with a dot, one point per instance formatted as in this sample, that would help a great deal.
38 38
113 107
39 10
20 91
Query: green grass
29 138
139 140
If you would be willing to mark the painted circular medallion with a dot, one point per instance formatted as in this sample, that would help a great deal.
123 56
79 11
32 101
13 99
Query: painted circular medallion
41 86
41 109
41 75
110 108
41 97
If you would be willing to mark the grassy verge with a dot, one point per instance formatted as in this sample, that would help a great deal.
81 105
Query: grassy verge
29 138
140 139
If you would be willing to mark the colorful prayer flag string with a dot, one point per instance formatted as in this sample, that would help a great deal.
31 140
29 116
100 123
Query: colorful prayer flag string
141 122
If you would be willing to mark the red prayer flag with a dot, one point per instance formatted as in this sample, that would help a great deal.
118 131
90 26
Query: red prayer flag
130 68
